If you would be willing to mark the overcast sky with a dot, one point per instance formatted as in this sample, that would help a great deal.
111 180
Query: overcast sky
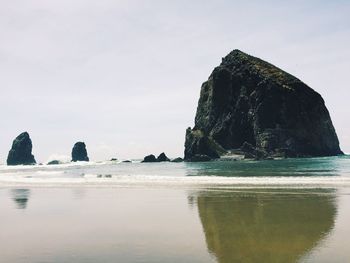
124 75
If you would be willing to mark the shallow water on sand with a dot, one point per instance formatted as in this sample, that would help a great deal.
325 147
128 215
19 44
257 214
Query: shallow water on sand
274 211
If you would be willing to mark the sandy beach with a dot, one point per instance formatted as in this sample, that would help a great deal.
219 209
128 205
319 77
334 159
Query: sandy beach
174 224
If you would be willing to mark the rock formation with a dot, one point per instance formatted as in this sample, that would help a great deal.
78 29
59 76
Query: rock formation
247 101
21 151
54 162
177 160
162 158
79 152
150 159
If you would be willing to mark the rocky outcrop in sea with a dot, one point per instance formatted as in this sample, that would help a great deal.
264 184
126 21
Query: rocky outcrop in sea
54 162
149 159
152 159
21 151
177 160
163 158
252 108
79 152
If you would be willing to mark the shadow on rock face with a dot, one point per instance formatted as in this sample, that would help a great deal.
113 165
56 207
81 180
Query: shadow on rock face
265 227
20 196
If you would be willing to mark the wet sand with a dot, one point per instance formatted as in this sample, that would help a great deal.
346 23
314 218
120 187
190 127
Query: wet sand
177 224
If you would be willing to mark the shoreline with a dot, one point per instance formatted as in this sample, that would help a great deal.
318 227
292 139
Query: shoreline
310 182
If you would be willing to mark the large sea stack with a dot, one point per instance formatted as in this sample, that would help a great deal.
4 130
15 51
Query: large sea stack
21 151
79 152
252 107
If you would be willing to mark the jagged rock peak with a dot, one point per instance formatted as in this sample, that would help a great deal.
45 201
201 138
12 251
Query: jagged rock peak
163 158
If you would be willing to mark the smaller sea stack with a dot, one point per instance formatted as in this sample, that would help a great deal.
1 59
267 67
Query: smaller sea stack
79 152
163 158
149 159
152 159
21 151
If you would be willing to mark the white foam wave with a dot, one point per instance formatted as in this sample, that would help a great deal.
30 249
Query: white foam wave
147 180
50 167
59 157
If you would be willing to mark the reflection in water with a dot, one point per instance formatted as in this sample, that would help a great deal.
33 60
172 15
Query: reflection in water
265 227
20 196
78 193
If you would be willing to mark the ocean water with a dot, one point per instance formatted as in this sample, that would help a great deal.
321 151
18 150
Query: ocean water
307 172
294 210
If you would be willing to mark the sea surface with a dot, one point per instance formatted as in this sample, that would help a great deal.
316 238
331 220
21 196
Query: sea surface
292 210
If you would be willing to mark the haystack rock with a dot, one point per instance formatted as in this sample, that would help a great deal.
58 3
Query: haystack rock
21 151
247 101
79 152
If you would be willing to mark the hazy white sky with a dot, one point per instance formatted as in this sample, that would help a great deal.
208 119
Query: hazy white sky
124 75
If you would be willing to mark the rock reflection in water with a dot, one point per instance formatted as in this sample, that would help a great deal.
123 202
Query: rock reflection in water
20 196
265 227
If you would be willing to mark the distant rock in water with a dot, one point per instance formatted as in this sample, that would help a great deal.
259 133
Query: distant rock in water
21 151
150 159
247 101
163 158
177 160
79 152
54 162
